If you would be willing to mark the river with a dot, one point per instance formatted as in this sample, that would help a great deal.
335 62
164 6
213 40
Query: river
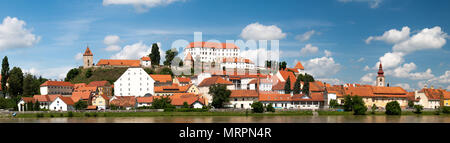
238 119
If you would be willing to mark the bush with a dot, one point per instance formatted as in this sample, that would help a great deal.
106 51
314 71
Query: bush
393 108
410 104
270 108
418 109
333 103
374 108
257 107
70 114
446 110
94 114
61 115
359 108
348 104
87 114
51 116
39 115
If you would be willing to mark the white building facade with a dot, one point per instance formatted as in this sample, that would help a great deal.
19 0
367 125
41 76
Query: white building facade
134 82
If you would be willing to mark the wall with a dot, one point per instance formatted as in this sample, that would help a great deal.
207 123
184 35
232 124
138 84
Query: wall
134 82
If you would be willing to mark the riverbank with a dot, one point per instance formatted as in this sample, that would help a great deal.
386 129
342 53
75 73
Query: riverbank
248 113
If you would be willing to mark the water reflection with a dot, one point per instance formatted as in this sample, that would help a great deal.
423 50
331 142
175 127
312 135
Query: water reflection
238 119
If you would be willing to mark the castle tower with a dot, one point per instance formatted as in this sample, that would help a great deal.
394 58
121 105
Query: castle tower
88 58
188 60
380 77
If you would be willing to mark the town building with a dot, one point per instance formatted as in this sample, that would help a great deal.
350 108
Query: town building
144 101
298 69
146 61
182 81
430 98
162 80
211 52
56 87
100 101
313 101
380 78
193 100
134 82
102 87
242 99
43 100
206 83
62 104
125 102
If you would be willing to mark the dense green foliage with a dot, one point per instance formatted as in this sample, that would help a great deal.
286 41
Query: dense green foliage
270 108
333 103
155 55
410 104
5 75
306 80
31 85
418 109
257 107
393 108
220 95
170 55
282 65
72 74
297 84
287 86
162 103
186 105
88 73
348 104
359 108
7 103
374 109
446 110
81 105
15 82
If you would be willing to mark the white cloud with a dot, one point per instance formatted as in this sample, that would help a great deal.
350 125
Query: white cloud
392 36
368 78
372 3
79 56
366 68
305 36
322 67
309 49
433 38
390 60
405 72
448 87
404 86
360 59
140 5
332 81
260 55
112 41
13 34
51 73
136 51
327 53
445 78
256 31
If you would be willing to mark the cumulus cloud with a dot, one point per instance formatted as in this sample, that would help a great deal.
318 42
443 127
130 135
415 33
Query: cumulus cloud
445 78
405 72
309 49
79 56
368 78
136 51
327 53
390 60
112 41
320 67
13 34
305 36
140 5
392 36
433 38
372 3
404 86
256 31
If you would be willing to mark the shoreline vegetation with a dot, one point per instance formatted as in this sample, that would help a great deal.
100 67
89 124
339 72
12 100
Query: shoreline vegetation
207 113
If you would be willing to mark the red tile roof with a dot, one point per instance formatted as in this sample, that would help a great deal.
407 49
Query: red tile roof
212 45
214 80
146 58
85 89
288 97
76 96
285 74
67 100
299 66
88 52
46 98
316 86
184 79
110 62
161 78
91 107
57 83
28 99
188 57
365 91
243 93
433 94
144 99
124 101
98 83
280 86
179 98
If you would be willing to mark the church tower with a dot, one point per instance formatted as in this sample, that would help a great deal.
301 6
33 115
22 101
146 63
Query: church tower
88 58
380 77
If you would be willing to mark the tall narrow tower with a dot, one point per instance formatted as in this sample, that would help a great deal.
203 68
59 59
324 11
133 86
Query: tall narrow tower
380 77
88 58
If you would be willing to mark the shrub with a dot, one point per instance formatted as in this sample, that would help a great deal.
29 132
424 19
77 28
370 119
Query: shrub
87 114
359 108
61 115
70 114
257 107
446 110
186 105
333 103
94 114
374 108
39 115
393 108
348 104
410 104
51 116
418 109
270 108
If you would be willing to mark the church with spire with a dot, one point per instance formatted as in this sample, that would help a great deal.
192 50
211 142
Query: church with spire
380 78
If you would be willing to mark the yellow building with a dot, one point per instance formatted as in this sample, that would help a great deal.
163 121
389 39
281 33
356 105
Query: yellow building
100 101
377 95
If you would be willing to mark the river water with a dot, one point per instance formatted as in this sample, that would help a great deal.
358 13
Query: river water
239 119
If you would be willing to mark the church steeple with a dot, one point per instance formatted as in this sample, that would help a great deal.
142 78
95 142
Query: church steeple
88 58
380 78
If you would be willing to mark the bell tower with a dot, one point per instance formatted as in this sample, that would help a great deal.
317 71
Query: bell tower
88 58
380 77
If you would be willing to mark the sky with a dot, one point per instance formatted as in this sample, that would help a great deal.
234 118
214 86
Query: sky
337 41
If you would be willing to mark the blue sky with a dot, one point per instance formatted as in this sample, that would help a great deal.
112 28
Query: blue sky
54 32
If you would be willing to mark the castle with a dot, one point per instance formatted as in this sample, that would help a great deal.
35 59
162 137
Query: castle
88 58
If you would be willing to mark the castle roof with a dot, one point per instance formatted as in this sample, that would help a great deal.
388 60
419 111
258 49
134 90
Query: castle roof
88 52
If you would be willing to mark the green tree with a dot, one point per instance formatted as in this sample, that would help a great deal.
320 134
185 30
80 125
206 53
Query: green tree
359 108
155 55
410 104
297 85
282 65
374 108
37 106
5 75
88 73
15 82
162 103
348 104
81 105
186 105
270 108
287 86
393 108
333 103
166 70
220 95
418 109
446 110
257 107
170 55
28 85
72 74
305 89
